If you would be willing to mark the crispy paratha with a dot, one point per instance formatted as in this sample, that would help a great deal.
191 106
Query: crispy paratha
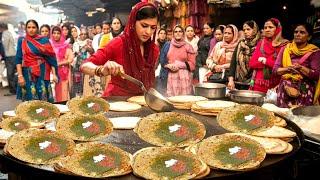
14 124
39 146
231 152
97 160
84 128
170 129
88 105
37 112
245 119
167 163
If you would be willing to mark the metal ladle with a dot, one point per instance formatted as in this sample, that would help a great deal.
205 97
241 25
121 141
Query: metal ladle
153 98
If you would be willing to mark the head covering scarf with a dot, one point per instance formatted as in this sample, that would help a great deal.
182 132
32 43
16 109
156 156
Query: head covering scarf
42 44
181 42
60 47
244 52
225 47
141 66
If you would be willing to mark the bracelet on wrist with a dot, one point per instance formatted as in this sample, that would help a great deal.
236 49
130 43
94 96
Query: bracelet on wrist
98 71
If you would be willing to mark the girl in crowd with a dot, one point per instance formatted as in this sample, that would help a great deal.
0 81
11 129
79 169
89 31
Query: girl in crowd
162 38
64 57
191 38
45 30
203 51
33 52
299 67
116 30
218 36
133 52
75 31
264 57
66 31
220 57
180 64
82 49
240 73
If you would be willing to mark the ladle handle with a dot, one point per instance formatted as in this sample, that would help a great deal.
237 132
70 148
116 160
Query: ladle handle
133 80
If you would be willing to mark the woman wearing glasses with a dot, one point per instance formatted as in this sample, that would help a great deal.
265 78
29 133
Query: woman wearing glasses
178 61
82 49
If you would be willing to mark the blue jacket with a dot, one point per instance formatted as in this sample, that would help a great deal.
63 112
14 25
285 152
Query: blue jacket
164 61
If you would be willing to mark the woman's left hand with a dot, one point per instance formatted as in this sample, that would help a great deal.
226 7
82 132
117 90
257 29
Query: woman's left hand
218 68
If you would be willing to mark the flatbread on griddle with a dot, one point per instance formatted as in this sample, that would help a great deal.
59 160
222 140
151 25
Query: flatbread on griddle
123 106
84 128
245 119
170 129
37 112
88 105
231 152
14 124
39 146
138 100
167 163
97 160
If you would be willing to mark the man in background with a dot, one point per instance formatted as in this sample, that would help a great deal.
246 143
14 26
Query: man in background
10 54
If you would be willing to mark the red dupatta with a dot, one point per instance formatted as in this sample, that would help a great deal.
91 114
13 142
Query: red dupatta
30 57
138 66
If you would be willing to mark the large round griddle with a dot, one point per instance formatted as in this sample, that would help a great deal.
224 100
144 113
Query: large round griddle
130 142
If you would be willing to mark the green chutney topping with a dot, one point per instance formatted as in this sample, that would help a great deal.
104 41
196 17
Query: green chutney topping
100 161
88 127
251 120
46 147
176 131
172 165
236 153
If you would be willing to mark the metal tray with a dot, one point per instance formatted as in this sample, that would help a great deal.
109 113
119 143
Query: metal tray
129 141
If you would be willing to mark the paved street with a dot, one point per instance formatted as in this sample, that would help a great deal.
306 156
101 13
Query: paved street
7 102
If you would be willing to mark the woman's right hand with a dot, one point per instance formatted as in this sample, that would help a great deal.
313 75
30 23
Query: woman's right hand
231 84
112 68
21 81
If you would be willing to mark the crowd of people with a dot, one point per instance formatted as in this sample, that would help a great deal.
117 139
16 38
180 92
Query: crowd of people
81 64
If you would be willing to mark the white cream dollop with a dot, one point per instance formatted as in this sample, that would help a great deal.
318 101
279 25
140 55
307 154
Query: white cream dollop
249 117
174 128
170 162
38 111
98 158
44 144
234 150
86 124
16 124
90 105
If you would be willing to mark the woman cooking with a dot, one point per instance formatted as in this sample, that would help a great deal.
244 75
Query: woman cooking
133 52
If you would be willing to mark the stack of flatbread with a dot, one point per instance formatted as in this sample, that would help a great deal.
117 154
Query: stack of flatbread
38 146
96 160
211 108
230 152
138 100
185 101
260 124
273 108
84 128
170 129
168 163
271 145
123 106
37 112
10 126
88 105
